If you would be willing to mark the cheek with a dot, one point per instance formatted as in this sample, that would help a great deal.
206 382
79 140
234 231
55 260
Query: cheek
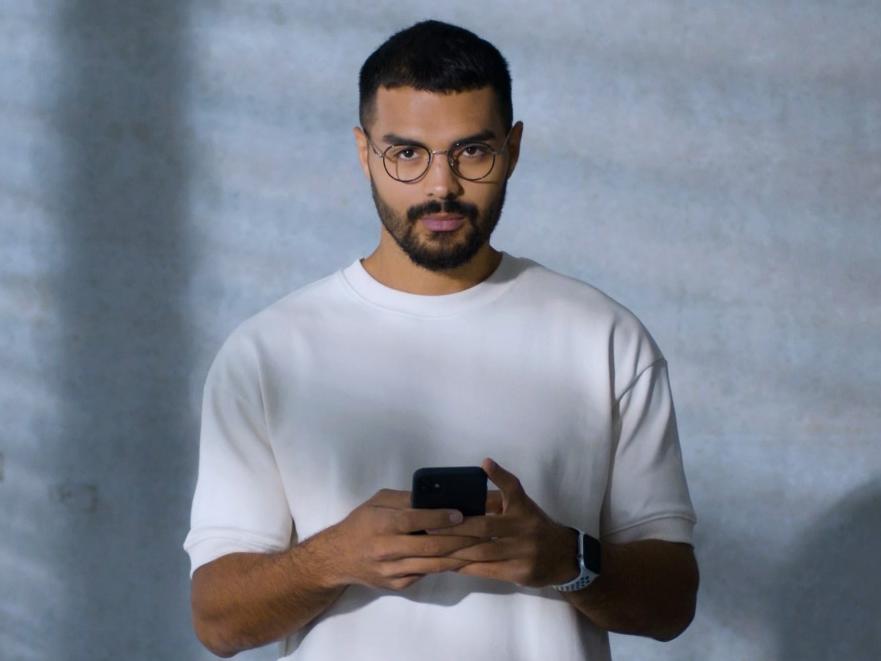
393 198
483 197
403 200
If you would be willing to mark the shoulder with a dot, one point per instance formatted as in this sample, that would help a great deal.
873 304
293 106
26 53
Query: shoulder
604 321
251 345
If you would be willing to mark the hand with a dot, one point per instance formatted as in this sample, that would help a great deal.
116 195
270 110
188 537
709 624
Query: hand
372 545
522 544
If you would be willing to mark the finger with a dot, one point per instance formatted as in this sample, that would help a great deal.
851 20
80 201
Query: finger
409 520
500 571
406 566
485 527
493 507
432 547
512 490
494 551
391 498
494 502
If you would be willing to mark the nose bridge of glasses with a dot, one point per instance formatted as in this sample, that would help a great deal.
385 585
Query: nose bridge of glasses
449 159
449 173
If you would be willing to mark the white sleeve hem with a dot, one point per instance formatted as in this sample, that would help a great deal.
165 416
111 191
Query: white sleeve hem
207 544
669 528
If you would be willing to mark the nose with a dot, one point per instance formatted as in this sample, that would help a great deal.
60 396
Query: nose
440 181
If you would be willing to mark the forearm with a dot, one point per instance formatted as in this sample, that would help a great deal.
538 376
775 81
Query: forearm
244 600
645 588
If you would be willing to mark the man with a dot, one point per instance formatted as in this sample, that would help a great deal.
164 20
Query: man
439 350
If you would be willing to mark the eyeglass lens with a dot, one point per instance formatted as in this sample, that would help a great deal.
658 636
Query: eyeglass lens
410 162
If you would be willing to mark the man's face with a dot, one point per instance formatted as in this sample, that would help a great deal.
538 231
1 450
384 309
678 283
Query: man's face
438 121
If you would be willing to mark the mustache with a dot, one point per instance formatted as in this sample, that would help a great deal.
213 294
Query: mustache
448 206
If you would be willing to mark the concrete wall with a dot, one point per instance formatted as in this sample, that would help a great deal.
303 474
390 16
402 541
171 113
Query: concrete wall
169 168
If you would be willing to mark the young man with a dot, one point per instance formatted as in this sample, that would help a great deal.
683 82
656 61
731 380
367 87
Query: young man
439 350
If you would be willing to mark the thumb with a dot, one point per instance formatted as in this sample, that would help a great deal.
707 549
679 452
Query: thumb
512 490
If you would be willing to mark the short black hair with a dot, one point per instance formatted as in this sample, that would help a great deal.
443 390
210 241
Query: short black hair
435 57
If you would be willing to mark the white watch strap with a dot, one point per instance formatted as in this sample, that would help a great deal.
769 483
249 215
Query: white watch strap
585 576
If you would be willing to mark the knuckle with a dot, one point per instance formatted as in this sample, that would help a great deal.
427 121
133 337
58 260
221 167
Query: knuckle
400 520
380 551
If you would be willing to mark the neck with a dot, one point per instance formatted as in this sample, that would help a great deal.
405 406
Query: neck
393 268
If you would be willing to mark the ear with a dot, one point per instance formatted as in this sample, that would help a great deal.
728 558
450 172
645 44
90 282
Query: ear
363 149
514 147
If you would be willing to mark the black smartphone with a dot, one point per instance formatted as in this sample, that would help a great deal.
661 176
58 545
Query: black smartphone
460 488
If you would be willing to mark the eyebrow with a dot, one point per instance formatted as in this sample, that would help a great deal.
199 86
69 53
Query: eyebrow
395 139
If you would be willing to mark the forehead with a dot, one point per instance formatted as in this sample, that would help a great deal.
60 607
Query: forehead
432 115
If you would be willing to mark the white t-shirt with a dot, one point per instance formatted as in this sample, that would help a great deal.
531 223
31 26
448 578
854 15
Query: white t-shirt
347 386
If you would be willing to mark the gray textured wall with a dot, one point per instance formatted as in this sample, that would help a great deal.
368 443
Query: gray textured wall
169 168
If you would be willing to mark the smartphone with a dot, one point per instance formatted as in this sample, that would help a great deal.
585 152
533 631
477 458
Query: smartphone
460 488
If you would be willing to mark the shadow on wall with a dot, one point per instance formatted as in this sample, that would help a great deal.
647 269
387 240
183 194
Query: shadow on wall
829 603
123 453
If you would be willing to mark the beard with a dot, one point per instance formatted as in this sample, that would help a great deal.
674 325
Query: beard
443 250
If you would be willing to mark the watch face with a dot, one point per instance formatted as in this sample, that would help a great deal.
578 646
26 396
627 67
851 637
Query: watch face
592 553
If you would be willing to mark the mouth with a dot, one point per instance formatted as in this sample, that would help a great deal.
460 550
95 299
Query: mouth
443 222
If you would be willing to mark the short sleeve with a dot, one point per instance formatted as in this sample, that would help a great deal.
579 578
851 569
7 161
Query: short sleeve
239 504
647 495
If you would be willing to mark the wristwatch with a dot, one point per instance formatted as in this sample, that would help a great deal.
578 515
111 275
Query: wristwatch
588 562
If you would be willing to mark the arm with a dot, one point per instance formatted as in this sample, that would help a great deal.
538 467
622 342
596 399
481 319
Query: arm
645 588
244 600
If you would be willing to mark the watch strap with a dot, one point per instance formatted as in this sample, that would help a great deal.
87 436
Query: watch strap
588 563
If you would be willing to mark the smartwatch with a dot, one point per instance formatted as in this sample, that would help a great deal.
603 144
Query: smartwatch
588 563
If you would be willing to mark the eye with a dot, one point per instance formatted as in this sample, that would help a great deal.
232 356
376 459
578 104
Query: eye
474 150
404 153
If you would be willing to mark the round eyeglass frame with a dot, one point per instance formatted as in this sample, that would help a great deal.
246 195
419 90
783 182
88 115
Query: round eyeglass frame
431 153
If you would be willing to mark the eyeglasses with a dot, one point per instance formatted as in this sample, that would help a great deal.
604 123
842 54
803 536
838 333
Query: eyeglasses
470 160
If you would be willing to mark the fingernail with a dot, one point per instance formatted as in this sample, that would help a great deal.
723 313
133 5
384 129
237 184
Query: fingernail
456 517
